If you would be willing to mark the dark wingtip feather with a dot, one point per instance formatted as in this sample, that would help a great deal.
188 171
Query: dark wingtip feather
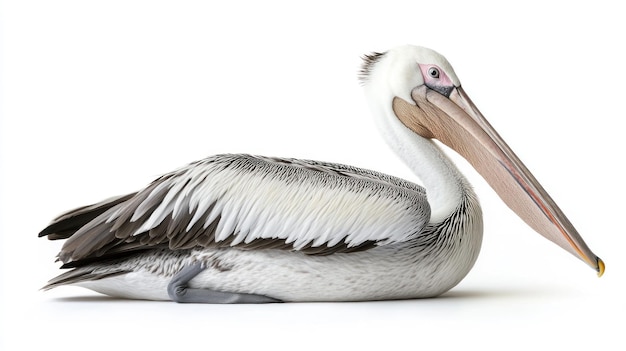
78 275
61 230
68 223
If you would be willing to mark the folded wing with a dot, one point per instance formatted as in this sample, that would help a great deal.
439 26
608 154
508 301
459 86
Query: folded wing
249 202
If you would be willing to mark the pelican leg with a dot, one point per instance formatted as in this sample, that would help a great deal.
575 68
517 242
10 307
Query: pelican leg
179 291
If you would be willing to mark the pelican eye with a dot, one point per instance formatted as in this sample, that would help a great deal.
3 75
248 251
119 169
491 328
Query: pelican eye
433 72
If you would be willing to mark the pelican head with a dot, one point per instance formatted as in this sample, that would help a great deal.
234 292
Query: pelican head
415 88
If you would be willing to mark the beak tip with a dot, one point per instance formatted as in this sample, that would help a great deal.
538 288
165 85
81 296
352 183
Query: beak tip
600 267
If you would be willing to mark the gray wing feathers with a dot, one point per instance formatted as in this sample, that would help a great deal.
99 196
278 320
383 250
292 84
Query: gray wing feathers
255 202
81 274
68 223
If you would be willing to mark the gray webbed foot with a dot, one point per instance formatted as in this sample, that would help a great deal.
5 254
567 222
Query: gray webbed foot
179 291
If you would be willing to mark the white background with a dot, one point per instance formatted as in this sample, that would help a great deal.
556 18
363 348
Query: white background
99 98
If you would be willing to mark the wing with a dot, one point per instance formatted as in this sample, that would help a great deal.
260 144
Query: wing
249 202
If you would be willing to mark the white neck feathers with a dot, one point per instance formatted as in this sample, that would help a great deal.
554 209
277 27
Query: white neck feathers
445 185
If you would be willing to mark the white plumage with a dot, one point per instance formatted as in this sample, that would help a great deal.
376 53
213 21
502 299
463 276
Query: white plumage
241 228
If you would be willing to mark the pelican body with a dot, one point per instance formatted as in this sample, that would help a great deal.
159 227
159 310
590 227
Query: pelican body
252 229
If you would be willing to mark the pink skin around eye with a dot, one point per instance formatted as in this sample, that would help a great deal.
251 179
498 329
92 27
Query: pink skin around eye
442 81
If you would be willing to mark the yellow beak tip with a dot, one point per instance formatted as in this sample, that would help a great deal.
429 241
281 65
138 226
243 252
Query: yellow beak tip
600 267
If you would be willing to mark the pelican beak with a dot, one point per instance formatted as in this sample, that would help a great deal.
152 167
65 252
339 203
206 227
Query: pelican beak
454 120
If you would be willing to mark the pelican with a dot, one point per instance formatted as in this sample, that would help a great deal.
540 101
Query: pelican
252 229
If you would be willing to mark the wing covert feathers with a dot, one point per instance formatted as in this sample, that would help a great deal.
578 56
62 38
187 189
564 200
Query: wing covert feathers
249 202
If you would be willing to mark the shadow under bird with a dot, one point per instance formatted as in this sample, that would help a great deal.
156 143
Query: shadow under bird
252 229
